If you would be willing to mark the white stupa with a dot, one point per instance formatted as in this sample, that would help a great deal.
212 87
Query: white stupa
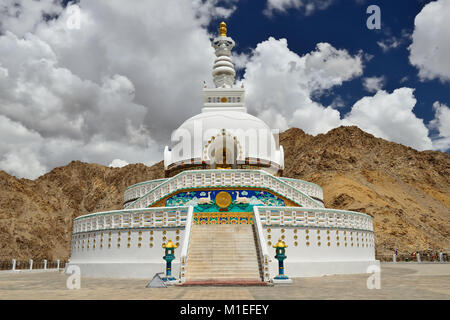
223 205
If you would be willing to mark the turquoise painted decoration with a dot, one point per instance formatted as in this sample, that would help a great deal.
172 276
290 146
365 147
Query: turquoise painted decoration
241 200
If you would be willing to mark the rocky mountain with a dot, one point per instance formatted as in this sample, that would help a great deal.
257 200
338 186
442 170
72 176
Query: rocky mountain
406 191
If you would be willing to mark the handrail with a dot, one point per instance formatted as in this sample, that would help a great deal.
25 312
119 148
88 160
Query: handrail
146 182
296 183
102 213
310 201
333 215
136 188
186 241
262 243
132 218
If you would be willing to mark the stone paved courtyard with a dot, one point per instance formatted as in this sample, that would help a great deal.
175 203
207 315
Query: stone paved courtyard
398 281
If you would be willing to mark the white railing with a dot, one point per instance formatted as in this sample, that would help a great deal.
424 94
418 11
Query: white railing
132 218
186 241
311 189
262 245
139 189
314 217
225 178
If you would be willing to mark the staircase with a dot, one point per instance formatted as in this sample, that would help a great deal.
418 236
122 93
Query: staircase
223 253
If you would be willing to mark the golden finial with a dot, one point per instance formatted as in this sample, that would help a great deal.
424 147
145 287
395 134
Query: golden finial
169 245
223 29
280 244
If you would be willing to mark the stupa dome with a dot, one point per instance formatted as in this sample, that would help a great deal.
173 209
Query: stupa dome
222 137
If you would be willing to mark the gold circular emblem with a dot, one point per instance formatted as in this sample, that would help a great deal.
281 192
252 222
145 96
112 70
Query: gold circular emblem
223 99
223 199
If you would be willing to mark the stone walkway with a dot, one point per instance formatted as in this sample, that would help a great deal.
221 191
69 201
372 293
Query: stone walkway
398 281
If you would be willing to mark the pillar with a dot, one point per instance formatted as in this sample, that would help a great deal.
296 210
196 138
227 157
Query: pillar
418 258
441 257
13 265
57 264
45 264
31 264
394 258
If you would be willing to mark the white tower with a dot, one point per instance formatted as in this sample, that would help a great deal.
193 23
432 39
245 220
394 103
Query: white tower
223 70
223 96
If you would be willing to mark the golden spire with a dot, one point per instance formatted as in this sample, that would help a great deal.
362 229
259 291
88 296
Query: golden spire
223 29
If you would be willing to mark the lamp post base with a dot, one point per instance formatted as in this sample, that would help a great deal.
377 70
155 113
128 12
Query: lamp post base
282 281
168 278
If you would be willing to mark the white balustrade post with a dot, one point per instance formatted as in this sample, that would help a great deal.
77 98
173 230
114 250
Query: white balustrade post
31 264
418 258
441 257
45 264
394 258
13 265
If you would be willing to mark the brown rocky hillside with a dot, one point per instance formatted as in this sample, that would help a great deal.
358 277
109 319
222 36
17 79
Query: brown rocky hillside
406 191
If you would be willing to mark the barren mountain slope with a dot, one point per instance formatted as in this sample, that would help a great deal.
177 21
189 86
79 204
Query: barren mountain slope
406 191
36 216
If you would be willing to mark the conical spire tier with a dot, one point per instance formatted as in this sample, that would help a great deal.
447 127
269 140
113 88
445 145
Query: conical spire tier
223 70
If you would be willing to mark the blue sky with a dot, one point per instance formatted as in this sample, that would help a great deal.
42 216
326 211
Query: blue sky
108 81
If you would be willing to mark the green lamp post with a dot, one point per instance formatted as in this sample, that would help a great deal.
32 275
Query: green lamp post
280 249
169 256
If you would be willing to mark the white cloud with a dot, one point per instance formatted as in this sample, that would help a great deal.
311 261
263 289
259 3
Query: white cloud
19 150
240 60
107 91
206 10
390 116
441 123
430 49
21 16
118 163
374 84
390 43
279 84
115 89
306 6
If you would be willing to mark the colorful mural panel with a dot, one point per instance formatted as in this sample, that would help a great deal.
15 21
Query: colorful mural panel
224 200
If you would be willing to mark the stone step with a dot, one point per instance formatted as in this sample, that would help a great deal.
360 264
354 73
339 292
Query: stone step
212 277
201 259
222 252
225 282
222 275
218 272
231 270
234 259
219 239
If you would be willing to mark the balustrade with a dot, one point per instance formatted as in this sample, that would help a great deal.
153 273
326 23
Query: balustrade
147 217
200 178
315 217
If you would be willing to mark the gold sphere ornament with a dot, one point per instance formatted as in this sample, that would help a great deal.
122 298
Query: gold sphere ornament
223 199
